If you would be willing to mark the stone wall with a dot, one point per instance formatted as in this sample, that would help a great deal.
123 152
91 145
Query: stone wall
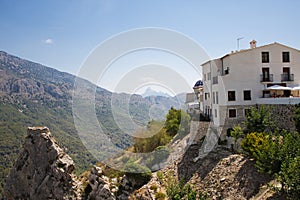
282 115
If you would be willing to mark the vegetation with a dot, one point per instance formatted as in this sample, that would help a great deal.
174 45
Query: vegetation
154 136
35 95
160 133
236 133
276 151
139 173
160 176
259 119
176 190
16 118
160 196
296 117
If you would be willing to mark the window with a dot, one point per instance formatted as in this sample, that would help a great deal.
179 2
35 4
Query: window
217 98
206 96
216 113
226 71
247 111
204 77
232 113
265 57
208 76
231 95
247 95
215 80
266 76
286 74
214 98
285 56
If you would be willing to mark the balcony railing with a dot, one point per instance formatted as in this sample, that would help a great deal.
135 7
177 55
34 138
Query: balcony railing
287 77
266 78
283 100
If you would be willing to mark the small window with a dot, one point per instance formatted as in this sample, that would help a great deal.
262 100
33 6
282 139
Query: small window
226 71
208 76
204 77
215 80
231 95
247 95
217 98
216 113
265 57
206 96
285 56
246 112
232 113
214 98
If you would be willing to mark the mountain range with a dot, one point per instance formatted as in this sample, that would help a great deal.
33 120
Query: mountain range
32 94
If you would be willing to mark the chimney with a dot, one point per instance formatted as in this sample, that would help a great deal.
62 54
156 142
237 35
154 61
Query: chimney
253 44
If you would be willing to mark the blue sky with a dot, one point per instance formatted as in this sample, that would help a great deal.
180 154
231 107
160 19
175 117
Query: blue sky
61 33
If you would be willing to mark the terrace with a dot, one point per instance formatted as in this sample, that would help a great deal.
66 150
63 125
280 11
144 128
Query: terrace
278 94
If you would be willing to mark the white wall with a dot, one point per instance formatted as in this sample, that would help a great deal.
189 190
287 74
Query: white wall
245 68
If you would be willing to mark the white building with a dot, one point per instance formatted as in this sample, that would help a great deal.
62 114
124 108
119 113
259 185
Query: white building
242 79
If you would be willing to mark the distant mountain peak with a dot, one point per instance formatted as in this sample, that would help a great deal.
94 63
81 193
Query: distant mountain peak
151 92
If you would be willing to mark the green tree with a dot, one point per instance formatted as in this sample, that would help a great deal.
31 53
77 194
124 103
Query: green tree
289 176
236 133
279 155
177 122
259 119
173 121
290 166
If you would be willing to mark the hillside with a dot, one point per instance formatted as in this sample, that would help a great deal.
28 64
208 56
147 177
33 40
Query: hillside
220 175
35 95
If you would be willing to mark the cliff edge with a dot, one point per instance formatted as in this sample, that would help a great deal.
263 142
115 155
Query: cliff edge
43 170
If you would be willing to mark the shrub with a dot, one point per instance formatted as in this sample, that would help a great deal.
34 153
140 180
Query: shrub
176 190
289 176
139 173
153 187
265 149
253 142
160 176
260 119
277 155
160 196
237 133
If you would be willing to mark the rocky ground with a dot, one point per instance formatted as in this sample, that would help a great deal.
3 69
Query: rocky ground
221 175
44 171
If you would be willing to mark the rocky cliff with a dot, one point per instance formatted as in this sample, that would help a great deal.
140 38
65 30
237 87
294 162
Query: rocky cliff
43 170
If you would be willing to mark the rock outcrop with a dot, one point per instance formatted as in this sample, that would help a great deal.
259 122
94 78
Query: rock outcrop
42 171
99 186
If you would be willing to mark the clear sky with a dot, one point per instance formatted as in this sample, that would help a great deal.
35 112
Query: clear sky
62 33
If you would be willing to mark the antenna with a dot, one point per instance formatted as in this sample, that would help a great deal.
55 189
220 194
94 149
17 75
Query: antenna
238 42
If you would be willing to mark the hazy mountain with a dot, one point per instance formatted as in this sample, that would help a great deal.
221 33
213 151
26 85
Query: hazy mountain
150 92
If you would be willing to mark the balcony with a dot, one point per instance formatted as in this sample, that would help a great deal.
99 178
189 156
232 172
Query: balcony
266 78
287 77
278 101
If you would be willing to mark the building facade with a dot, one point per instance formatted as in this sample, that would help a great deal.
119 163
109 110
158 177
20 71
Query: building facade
240 79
